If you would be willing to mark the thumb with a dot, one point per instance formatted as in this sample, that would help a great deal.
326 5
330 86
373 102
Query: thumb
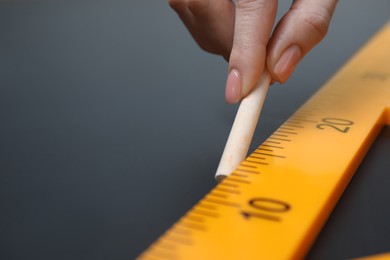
303 26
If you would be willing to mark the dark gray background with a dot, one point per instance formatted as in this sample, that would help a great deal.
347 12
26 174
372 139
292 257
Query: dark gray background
112 123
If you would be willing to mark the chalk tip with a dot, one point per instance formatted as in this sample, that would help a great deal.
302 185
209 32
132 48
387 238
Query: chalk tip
220 178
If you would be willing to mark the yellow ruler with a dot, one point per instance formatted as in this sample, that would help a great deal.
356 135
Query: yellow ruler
275 203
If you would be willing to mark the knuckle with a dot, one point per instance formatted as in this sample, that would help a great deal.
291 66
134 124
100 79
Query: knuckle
319 23
197 5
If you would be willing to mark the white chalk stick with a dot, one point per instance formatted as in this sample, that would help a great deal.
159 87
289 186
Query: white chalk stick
243 128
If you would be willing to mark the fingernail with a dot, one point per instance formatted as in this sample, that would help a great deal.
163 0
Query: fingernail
287 62
233 87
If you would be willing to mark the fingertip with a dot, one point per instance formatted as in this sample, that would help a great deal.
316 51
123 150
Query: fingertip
250 64
286 64
233 87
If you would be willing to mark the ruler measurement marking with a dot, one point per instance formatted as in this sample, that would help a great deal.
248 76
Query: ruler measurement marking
299 117
248 214
191 225
281 139
213 194
279 135
256 157
303 120
302 115
287 132
263 149
224 203
287 128
205 213
273 146
237 180
248 171
293 121
310 121
272 142
273 155
257 162
239 175
228 185
227 190
292 125
205 206
248 166
180 231
306 112
194 218
166 245
172 238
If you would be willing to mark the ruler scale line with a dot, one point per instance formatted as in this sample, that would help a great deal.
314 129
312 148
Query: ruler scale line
292 125
205 206
263 149
273 155
273 146
166 245
176 240
286 128
279 135
287 132
191 225
181 232
303 120
227 190
281 139
257 162
194 218
239 175
213 194
248 166
237 180
228 184
272 142
205 213
257 157
224 203
247 171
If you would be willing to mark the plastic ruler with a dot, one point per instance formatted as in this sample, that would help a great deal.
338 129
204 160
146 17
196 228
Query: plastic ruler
275 203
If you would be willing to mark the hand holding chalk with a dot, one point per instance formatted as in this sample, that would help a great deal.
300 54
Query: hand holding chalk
243 128
242 32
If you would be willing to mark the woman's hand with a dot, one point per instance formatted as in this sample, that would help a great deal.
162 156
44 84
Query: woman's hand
241 33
